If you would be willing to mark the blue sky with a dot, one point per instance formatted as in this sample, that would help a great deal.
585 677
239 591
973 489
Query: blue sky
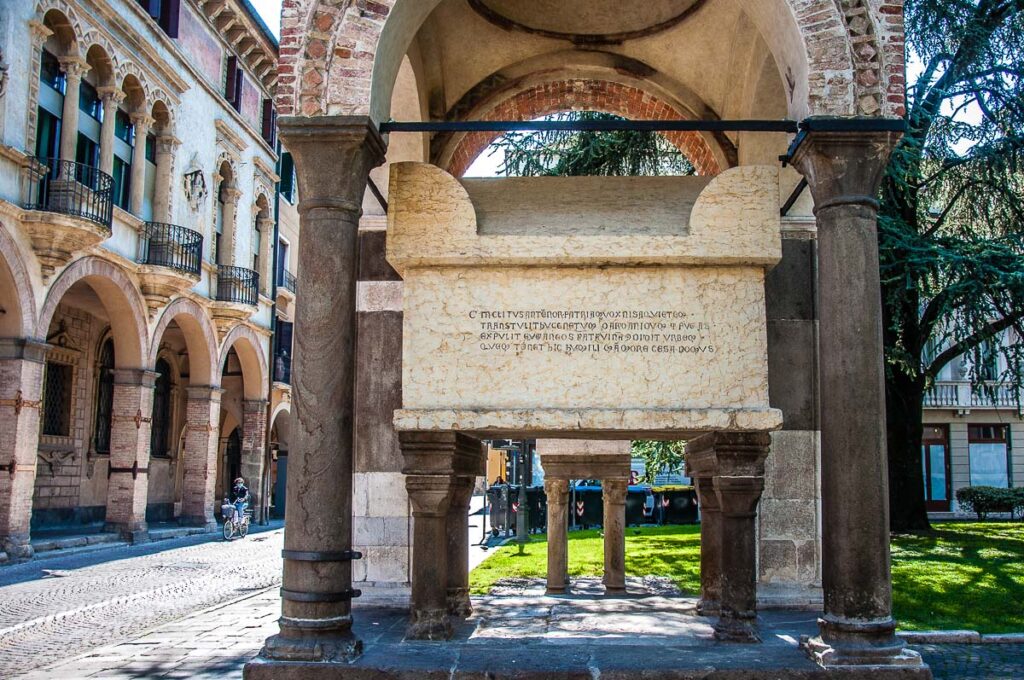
270 10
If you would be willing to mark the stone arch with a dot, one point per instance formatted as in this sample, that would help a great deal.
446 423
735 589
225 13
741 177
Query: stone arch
119 296
200 338
249 348
98 55
578 95
62 19
16 299
342 58
133 83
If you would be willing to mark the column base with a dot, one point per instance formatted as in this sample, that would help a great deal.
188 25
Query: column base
736 629
459 604
17 546
857 643
555 590
430 624
132 533
313 640
614 590
709 607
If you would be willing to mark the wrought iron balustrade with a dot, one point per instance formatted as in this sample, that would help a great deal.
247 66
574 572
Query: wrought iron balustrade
287 280
71 188
237 284
172 246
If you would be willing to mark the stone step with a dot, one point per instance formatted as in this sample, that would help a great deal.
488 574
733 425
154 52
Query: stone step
175 532
80 541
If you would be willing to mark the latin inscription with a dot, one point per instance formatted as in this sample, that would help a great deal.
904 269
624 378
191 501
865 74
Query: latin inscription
571 331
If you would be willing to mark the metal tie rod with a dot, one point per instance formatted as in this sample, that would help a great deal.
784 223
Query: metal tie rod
787 126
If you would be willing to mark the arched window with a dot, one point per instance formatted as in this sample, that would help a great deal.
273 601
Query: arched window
160 432
104 396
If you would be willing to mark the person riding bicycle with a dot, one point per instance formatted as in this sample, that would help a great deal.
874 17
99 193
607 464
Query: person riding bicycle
240 498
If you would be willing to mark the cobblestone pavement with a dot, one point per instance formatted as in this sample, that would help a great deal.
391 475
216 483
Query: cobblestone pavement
974 662
67 605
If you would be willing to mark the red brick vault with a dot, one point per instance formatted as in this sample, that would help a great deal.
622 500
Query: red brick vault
583 95
841 57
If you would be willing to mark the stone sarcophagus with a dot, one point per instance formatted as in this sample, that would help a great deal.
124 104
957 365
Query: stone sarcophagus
602 307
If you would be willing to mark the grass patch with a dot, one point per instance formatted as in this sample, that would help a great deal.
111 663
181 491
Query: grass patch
962 575
672 551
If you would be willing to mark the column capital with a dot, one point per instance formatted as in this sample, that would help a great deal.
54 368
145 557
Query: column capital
727 453
441 453
74 67
135 376
254 405
843 168
204 392
430 495
614 491
556 490
141 120
40 32
110 95
27 349
231 195
333 157
167 144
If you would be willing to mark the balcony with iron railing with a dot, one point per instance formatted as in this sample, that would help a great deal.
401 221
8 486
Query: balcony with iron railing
959 395
288 281
71 208
237 295
171 261
238 285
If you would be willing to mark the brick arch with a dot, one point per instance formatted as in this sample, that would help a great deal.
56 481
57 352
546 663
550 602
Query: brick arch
200 339
584 95
119 296
21 287
329 51
249 348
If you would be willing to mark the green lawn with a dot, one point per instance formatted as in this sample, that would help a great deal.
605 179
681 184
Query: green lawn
963 575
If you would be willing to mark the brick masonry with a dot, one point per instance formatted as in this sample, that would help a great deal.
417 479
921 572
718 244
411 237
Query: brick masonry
328 49
584 95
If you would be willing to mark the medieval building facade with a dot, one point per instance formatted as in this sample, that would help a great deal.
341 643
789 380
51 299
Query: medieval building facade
146 286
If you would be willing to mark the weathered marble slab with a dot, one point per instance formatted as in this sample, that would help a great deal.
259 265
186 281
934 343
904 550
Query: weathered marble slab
608 313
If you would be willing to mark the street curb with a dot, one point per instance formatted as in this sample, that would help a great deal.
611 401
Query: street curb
961 637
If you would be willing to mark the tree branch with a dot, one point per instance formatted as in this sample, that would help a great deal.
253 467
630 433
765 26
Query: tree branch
970 342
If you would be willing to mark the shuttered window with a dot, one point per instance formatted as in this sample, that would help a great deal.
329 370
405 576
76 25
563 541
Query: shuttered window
269 123
233 83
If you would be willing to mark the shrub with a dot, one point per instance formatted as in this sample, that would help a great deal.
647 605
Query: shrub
985 499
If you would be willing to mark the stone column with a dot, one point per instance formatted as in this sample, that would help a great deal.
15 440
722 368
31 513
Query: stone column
333 156
128 485
74 68
254 441
227 241
557 492
734 463
202 421
166 148
137 188
843 171
458 547
433 462
613 494
111 97
710 548
21 381
266 227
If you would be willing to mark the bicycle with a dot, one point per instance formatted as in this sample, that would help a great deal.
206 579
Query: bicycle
233 524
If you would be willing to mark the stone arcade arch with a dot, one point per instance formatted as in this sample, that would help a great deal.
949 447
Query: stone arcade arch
244 381
21 375
195 473
830 60
104 294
